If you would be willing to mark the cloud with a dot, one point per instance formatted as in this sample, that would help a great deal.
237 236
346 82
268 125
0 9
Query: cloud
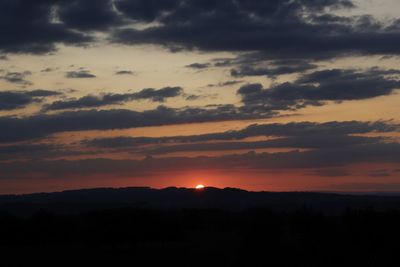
227 83
121 142
88 15
158 95
193 97
124 72
279 29
42 93
329 172
333 145
28 27
47 70
83 102
17 77
379 173
325 158
79 74
42 125
25 148
198 66
306 142
304 132
276 68
10 100
89 101
28 151
146 11
326 85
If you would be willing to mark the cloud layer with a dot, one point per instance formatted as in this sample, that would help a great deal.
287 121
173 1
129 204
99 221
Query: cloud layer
295 29
260 60
10 100
89 101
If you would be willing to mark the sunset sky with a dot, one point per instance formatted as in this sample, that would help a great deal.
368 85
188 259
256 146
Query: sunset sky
274 95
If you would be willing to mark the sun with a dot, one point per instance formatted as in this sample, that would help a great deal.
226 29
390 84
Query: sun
199 187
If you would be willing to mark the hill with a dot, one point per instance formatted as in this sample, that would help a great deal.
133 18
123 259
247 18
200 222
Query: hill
183 198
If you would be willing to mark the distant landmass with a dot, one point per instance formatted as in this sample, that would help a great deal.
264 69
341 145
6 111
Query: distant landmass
184 198
187 227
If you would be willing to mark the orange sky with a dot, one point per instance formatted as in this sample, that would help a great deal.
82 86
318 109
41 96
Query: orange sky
109 111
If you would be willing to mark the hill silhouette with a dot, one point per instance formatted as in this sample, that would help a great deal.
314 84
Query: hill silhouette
181 198
186 227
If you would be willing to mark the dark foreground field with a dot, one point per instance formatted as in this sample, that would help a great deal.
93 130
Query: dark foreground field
200 236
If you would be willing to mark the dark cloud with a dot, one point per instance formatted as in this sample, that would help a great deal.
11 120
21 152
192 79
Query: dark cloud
79 74
226 62
146 11
325 158
279 29
41 151
379 173
304 132
157 95
42 125
10 100
198 66
329 172
83 102
252 95
25 151
203 96
17 77
276 68
260 64
42 93
25 148
88 14
306 142
193 97
47 70
124 72
122 142
227 83
326 85
28 27
395 26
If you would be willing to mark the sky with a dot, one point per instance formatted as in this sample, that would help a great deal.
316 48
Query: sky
277 95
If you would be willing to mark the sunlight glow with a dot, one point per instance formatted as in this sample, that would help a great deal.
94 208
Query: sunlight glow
199 186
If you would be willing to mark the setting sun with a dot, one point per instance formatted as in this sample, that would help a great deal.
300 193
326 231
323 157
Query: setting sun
199 186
